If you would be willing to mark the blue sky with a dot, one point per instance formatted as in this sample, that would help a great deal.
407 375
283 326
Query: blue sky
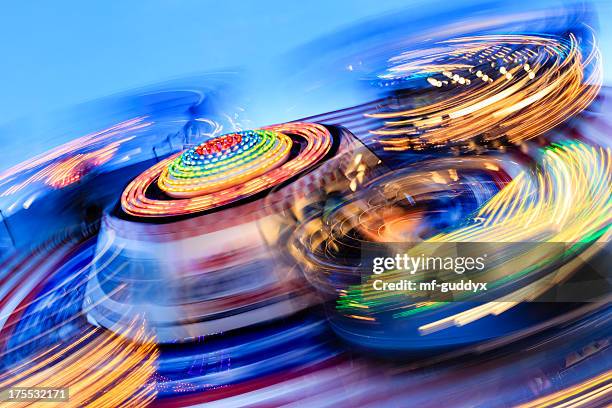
56 54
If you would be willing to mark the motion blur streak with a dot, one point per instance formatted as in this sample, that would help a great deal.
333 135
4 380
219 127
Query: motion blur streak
567 201
511 86
100 369
589 393
224 238
70 170
63 166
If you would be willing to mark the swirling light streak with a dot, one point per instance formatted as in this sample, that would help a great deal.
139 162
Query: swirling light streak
570 203
511 86
68 171
48 283
100 369
589 393
135 201
399 206
67 163
567 200
275 357
276 365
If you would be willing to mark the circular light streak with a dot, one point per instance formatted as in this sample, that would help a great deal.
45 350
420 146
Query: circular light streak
407 205
224 162
227 169
564 200
495 86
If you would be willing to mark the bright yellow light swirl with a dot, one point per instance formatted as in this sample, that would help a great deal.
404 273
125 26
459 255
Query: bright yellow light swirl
541 82
101 369
591 392
566 200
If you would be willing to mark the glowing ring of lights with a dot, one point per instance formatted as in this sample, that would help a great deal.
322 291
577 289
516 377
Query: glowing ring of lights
511 86
389 209
566 200
268 166
224 162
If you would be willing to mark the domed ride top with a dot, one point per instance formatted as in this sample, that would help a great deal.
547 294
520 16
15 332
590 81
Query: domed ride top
226 169
223 162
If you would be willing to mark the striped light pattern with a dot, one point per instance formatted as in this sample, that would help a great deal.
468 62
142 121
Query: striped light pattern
566 200
227 169
499 86
223 162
